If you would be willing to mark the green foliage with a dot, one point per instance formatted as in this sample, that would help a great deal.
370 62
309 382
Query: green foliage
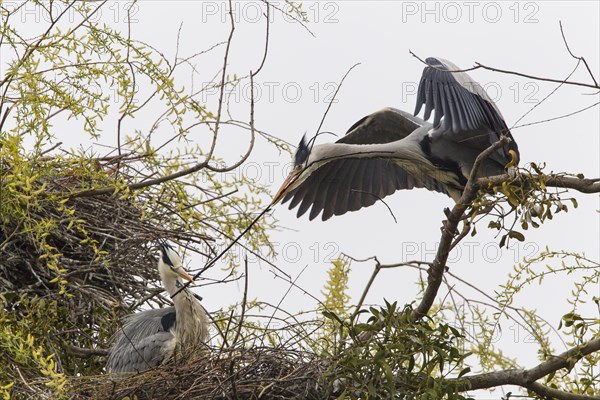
529 204
392 356
66 260
336 302
27 348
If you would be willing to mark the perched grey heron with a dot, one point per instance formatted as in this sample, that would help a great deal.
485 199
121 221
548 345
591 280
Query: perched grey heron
392 149
151 337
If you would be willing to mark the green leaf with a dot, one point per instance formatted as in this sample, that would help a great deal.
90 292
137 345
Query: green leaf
464 372
502 241
516 235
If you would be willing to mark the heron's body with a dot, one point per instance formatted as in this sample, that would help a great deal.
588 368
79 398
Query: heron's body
151 337
392 149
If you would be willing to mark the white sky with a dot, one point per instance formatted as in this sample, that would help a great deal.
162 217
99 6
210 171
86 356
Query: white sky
302 71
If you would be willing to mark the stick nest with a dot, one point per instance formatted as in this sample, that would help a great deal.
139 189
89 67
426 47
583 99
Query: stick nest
256 373
71 266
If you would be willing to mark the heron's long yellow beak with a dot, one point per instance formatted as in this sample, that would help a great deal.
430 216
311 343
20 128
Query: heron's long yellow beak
285 187
181 272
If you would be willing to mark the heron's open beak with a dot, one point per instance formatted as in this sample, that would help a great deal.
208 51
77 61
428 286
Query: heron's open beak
181 272
285 187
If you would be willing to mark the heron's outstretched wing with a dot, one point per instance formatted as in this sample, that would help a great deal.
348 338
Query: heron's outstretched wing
349 184
383 126
144 341
464 112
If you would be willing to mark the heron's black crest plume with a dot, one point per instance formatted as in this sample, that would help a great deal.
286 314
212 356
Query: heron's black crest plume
163 249
301 152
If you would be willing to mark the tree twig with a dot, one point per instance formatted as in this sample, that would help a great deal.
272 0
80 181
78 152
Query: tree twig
562 32
504 71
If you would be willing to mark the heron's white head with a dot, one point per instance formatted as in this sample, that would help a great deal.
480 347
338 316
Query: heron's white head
300 164
169 264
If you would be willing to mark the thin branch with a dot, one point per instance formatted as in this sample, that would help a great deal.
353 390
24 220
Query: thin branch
536 105
223 76
225 250
378 268
252 131
555 118
504 71
537 78
551 393
244 302
312 141
574 56
128 102
140 185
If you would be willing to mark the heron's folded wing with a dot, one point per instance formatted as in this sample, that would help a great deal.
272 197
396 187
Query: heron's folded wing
136 330
350 184
149 352
462 109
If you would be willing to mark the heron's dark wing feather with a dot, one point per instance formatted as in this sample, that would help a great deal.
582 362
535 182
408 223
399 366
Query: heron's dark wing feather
350 184
329 187
168 321
383 126
462 109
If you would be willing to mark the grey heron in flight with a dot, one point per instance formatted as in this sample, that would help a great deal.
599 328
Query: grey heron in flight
391 149
150 338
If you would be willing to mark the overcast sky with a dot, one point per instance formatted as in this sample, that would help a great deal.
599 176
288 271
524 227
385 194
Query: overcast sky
301 73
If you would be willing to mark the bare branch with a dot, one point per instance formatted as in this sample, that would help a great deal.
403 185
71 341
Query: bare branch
504 71
537 78
574 56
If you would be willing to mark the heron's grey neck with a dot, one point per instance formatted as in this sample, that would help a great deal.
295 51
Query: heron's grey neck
172 285
401 150
192 320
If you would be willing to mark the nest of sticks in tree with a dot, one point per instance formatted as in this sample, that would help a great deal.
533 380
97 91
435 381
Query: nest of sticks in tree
103 248
255 373
114 225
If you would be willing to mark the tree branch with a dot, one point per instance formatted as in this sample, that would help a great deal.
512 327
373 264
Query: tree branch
537 78
504 71
527 377
143 184
82 352
582 185
438 266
